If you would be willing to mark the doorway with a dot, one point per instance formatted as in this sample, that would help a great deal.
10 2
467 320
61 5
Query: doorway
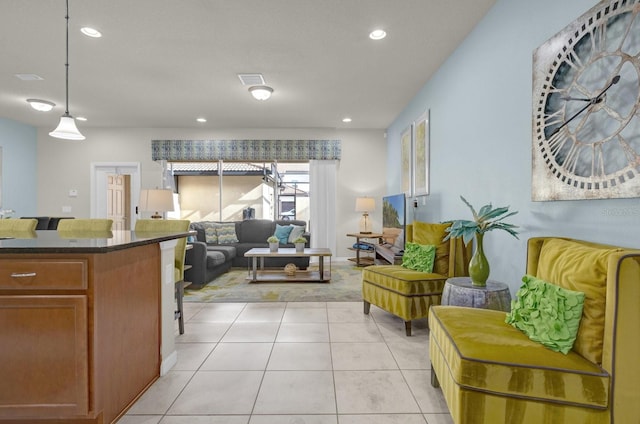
118 201
107 176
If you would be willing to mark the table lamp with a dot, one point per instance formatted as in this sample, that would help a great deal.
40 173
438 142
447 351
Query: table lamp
365 205
156 201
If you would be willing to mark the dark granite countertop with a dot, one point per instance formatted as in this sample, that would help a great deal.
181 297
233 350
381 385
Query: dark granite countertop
47 241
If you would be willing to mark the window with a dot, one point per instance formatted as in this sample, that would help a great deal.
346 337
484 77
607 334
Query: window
231 191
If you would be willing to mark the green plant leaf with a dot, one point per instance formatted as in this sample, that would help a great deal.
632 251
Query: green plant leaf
487 219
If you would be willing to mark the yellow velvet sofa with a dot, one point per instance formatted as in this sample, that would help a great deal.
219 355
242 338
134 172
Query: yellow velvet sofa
490 372
406 293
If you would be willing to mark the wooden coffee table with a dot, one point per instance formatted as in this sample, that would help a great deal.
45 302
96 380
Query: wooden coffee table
322 275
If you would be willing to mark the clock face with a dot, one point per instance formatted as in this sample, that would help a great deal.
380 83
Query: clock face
586 107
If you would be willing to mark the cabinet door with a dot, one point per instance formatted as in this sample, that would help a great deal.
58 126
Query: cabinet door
43 356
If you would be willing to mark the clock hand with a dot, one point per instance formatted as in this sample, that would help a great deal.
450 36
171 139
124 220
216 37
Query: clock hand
591 102
597 99
613 81
575 98
584 99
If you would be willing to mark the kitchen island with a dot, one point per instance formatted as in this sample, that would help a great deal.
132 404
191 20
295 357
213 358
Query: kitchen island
86 323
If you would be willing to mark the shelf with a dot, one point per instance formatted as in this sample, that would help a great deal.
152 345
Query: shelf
278 276
362 261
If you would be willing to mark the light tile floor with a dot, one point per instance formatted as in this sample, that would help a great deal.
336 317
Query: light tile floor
294 363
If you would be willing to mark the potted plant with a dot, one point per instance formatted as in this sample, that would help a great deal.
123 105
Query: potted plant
486 219
273 243
300 242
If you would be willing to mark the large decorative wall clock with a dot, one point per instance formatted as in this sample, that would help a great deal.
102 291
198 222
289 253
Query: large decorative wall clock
586 107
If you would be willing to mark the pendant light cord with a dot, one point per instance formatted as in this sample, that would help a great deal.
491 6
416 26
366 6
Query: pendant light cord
66 65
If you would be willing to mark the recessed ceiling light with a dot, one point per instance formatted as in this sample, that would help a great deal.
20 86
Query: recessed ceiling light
202 120
80 118
29 77
91 32
347 119
41 105
377 34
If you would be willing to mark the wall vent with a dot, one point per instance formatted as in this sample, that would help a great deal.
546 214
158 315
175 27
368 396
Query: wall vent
251 79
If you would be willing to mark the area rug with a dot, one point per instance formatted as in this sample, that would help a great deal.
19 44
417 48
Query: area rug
345 286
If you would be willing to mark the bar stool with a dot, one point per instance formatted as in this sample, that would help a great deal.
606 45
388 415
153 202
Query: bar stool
160 225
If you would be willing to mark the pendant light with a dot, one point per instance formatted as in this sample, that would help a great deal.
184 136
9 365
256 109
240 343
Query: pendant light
67 129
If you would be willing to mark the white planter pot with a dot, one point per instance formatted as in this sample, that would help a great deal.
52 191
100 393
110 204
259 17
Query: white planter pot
273 247
299 247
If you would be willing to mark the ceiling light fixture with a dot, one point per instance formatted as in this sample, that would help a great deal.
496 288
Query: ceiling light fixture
201 120
377 34
346 120
41 105
67 129
81 118
91 32
29 77
261 92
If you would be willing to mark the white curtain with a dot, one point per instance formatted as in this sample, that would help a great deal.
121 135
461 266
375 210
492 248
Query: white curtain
322 203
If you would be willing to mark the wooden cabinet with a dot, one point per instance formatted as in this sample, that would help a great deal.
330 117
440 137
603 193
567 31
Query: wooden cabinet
45 369
79 334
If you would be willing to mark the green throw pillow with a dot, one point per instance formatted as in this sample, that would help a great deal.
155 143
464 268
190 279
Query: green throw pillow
547 313
282 233
419 257
226 233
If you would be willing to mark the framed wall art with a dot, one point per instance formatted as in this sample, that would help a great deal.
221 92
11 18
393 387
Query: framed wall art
406 160
421 155
586 114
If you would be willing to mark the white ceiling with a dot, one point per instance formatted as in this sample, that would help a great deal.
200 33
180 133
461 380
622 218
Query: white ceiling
163 63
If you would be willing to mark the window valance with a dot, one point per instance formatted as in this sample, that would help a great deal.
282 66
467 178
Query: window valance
245 150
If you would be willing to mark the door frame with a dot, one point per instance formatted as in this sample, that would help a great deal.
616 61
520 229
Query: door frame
99 172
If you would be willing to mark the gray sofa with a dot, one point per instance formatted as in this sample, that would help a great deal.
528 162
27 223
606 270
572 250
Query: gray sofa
209 260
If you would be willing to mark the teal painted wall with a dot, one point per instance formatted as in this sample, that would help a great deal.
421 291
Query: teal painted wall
19 167
480 103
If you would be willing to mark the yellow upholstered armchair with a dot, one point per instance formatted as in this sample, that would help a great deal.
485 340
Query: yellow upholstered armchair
406 293
491 372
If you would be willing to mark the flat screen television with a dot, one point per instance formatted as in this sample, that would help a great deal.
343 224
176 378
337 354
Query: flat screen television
393 220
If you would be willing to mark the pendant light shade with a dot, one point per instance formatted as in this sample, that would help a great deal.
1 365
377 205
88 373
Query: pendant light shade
67 129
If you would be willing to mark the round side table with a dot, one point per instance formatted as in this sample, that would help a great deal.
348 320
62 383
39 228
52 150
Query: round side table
459 291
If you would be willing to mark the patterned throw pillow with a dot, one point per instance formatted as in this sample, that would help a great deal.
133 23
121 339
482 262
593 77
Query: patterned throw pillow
226 233
547 313
210 235
296 231
419 257
282 233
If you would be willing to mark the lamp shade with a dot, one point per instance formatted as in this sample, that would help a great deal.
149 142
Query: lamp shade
67 129
157 200
365 204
